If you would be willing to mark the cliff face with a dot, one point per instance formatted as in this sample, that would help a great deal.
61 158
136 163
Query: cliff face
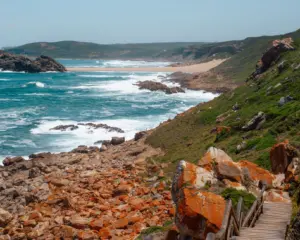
19 63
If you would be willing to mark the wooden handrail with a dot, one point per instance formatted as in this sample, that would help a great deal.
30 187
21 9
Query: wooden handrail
233 219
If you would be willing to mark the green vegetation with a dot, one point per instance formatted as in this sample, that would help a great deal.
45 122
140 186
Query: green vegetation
188 136
234 195
155 229
72 49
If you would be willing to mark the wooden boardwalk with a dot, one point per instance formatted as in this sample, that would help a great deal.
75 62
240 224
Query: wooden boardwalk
271 225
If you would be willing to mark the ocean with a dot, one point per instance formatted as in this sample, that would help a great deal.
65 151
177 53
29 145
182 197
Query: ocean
32 104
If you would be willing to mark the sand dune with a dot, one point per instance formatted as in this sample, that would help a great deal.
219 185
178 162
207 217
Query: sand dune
201 67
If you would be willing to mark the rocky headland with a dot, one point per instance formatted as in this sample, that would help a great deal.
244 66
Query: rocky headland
19 63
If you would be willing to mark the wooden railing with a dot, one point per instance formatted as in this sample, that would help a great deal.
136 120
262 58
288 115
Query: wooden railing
234 219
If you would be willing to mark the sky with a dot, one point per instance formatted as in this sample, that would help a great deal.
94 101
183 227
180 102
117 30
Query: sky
136 21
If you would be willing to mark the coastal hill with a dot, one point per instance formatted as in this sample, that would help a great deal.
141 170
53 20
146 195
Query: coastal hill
241 54
73 49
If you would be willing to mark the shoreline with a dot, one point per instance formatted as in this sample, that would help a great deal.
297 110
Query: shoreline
196 68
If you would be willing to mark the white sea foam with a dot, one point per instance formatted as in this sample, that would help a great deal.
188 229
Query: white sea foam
7 71
4 79
129 63
37 94
124 86
99 76
9 100
37 84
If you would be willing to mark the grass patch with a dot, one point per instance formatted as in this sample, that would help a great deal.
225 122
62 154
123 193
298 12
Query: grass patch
234 195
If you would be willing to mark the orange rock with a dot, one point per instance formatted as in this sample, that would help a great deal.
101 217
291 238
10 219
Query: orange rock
104 233
87 235
229 170
67 232
221 129
96 224
257 173
172 211
279 157
236 185
121 223
79 222
161 186
195 208
123 198
138 227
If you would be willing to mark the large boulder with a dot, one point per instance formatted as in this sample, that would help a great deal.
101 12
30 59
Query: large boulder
281 156
19 63
256 122
217 160
9 161
256 173
117 140
197 212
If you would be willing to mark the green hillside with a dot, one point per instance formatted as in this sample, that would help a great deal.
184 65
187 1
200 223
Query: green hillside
188 136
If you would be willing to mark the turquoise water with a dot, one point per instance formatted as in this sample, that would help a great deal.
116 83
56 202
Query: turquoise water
31 104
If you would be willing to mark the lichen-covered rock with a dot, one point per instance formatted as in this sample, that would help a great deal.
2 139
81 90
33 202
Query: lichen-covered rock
197 211
211 156
217 160
256 173
281 156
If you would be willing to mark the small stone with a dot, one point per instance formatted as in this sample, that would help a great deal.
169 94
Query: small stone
121 223
5 217
103 148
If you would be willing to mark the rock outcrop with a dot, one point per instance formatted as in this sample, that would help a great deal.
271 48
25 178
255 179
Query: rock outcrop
272 55
157 86
281 156
196 190
256 122
18 63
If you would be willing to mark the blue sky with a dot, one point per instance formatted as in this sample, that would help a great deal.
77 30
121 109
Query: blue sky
129 21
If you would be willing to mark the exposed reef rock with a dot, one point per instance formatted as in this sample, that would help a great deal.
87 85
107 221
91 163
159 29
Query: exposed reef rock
72 127
19 63
157 86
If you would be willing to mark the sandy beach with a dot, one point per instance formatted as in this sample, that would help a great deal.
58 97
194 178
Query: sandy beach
201 67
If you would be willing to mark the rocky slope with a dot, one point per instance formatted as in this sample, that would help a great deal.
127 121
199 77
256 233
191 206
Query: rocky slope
84 194
19 63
